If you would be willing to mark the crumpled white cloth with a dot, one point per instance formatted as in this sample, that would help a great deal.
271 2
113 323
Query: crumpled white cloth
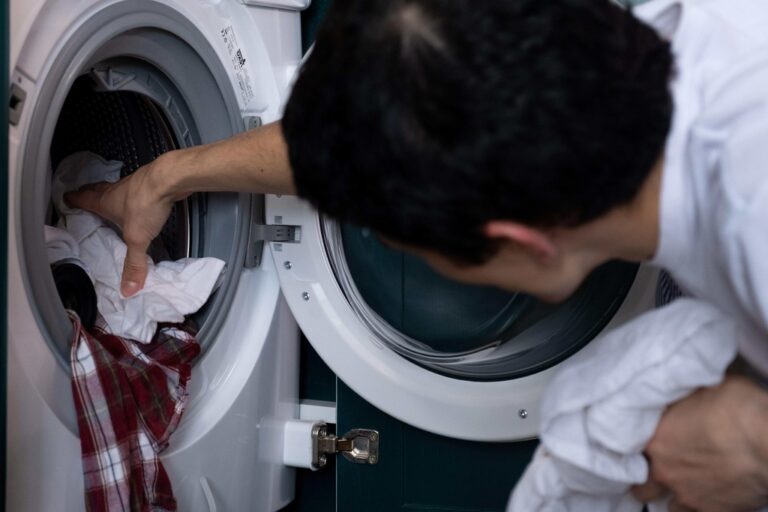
60 245
603 407
173 289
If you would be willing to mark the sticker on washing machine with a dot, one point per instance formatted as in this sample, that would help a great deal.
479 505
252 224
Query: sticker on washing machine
238 59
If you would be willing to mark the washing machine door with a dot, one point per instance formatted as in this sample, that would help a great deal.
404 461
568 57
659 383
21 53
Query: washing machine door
462 361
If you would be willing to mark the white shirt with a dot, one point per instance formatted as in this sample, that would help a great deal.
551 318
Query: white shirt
714 199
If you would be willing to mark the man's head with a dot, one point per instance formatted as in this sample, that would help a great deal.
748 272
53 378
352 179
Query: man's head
456 128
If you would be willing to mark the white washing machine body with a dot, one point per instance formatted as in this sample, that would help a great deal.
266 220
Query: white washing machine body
226 454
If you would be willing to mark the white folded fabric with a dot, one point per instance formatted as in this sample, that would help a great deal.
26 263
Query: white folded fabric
60 245
603 407
172 289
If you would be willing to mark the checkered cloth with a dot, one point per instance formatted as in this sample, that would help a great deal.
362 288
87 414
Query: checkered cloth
129 399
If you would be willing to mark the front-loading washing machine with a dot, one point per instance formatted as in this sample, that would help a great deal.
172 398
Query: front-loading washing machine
131 79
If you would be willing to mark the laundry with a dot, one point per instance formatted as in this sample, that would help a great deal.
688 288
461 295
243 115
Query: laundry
173 289
129 399
603 407
61 245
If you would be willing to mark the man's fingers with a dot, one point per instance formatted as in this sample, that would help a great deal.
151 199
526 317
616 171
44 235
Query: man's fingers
649 491
134 270
87 198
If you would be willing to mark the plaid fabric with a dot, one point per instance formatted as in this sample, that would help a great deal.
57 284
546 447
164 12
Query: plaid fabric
129 399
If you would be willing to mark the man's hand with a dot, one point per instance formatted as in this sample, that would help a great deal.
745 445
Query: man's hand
710 451
255 161
139 204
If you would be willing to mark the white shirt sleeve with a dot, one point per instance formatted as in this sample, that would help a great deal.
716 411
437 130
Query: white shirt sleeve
740 103
744 242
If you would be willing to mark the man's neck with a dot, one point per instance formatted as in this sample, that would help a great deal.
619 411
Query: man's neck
630 232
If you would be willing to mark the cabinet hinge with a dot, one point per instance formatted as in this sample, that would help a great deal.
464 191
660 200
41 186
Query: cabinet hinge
359 445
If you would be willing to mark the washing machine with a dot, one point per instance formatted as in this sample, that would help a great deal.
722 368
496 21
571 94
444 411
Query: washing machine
130 79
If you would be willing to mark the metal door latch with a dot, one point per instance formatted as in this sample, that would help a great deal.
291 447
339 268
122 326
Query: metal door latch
359 445
16 105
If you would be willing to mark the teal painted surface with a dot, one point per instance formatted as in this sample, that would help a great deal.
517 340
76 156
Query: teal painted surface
316 381
4 83
311 19
419 471
315 490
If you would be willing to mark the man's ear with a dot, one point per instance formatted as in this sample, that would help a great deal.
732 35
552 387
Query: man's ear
535 241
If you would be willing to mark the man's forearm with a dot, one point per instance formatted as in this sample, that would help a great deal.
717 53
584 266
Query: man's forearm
255 161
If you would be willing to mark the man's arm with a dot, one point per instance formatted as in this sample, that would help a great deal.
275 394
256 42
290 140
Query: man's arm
255 161
710 451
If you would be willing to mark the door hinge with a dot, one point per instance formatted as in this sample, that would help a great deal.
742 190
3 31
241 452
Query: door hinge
261 233
359 445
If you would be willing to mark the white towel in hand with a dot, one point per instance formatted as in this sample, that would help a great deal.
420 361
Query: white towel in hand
603 407
173 289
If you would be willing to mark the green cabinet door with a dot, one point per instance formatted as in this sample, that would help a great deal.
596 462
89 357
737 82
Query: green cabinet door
419 471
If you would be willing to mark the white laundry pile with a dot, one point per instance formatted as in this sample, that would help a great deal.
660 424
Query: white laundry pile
173 289
60 245
603 407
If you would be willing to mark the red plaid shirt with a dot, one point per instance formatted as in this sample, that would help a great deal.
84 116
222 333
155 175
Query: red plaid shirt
129 399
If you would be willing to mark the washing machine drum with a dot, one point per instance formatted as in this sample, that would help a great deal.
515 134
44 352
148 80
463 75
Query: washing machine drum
135 128
464 331
128 127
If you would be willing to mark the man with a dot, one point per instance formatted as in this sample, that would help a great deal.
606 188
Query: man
521 144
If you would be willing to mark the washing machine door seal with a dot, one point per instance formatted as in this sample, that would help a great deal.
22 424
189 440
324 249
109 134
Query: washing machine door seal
500 410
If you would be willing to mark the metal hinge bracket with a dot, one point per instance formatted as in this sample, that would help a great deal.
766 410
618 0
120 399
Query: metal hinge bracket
359 445
275 233
261 233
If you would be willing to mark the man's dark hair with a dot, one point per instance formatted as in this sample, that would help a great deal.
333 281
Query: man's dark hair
425 119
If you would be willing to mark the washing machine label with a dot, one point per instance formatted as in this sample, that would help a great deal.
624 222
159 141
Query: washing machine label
238 60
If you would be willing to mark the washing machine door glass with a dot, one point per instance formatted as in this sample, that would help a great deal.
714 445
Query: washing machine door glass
464 331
